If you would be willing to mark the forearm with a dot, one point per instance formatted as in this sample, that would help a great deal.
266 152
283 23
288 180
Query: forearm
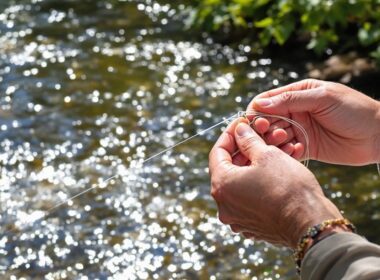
342 256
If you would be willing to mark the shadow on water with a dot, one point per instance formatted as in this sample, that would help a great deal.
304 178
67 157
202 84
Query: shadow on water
89 88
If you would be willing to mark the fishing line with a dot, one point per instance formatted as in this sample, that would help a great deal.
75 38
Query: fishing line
38 216
104 183
250 113
226 120
257 115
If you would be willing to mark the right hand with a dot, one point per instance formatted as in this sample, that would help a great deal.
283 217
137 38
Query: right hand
343 124
273 197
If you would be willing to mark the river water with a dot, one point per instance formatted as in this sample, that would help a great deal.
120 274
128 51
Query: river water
90 88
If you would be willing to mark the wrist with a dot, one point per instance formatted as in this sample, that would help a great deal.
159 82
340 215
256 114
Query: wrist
330 230
315 214
317 233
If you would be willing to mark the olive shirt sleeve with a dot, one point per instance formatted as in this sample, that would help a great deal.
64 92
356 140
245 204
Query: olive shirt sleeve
342 256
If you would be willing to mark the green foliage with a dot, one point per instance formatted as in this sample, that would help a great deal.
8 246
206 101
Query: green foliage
322 23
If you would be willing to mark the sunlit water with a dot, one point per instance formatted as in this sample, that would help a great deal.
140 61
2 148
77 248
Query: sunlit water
90 88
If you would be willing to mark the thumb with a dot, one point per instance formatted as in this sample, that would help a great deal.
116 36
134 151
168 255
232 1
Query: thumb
308 100
249 142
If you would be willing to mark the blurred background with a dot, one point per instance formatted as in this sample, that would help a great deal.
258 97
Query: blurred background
88 88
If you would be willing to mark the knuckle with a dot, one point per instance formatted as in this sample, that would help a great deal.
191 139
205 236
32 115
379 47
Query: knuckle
247 143
220 182
324 91
210 157
326 94
215 193
210 154
287 97
217 186
272 151
216 182
310 82
224 218
235 228
270 154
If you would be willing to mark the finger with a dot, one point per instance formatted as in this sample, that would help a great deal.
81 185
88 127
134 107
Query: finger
297 86
248 141
225 146
276 137
300 85
253 115
299 150
261 125
279 124
290 134
288 148
279 132
288 102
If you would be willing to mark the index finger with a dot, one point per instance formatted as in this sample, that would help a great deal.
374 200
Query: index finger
225 146
300 85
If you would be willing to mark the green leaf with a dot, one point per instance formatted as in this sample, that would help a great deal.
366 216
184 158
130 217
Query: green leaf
239 21
363 36
265 36
263 23
318 45
376 54
243 2
212 2
282 31
369 35
285 8
319 20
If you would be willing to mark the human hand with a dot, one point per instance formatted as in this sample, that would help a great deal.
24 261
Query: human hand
343 124
263 192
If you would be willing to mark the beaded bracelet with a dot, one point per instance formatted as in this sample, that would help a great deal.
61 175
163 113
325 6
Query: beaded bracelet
312 233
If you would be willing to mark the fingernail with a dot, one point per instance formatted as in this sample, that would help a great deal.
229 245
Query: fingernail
243 129
263 102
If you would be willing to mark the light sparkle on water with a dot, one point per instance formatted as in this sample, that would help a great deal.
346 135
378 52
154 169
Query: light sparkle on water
93 103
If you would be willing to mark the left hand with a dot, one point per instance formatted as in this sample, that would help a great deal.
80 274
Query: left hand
263 192
342 123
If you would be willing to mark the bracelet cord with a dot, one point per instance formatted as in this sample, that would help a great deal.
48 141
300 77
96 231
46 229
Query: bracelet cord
312 234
